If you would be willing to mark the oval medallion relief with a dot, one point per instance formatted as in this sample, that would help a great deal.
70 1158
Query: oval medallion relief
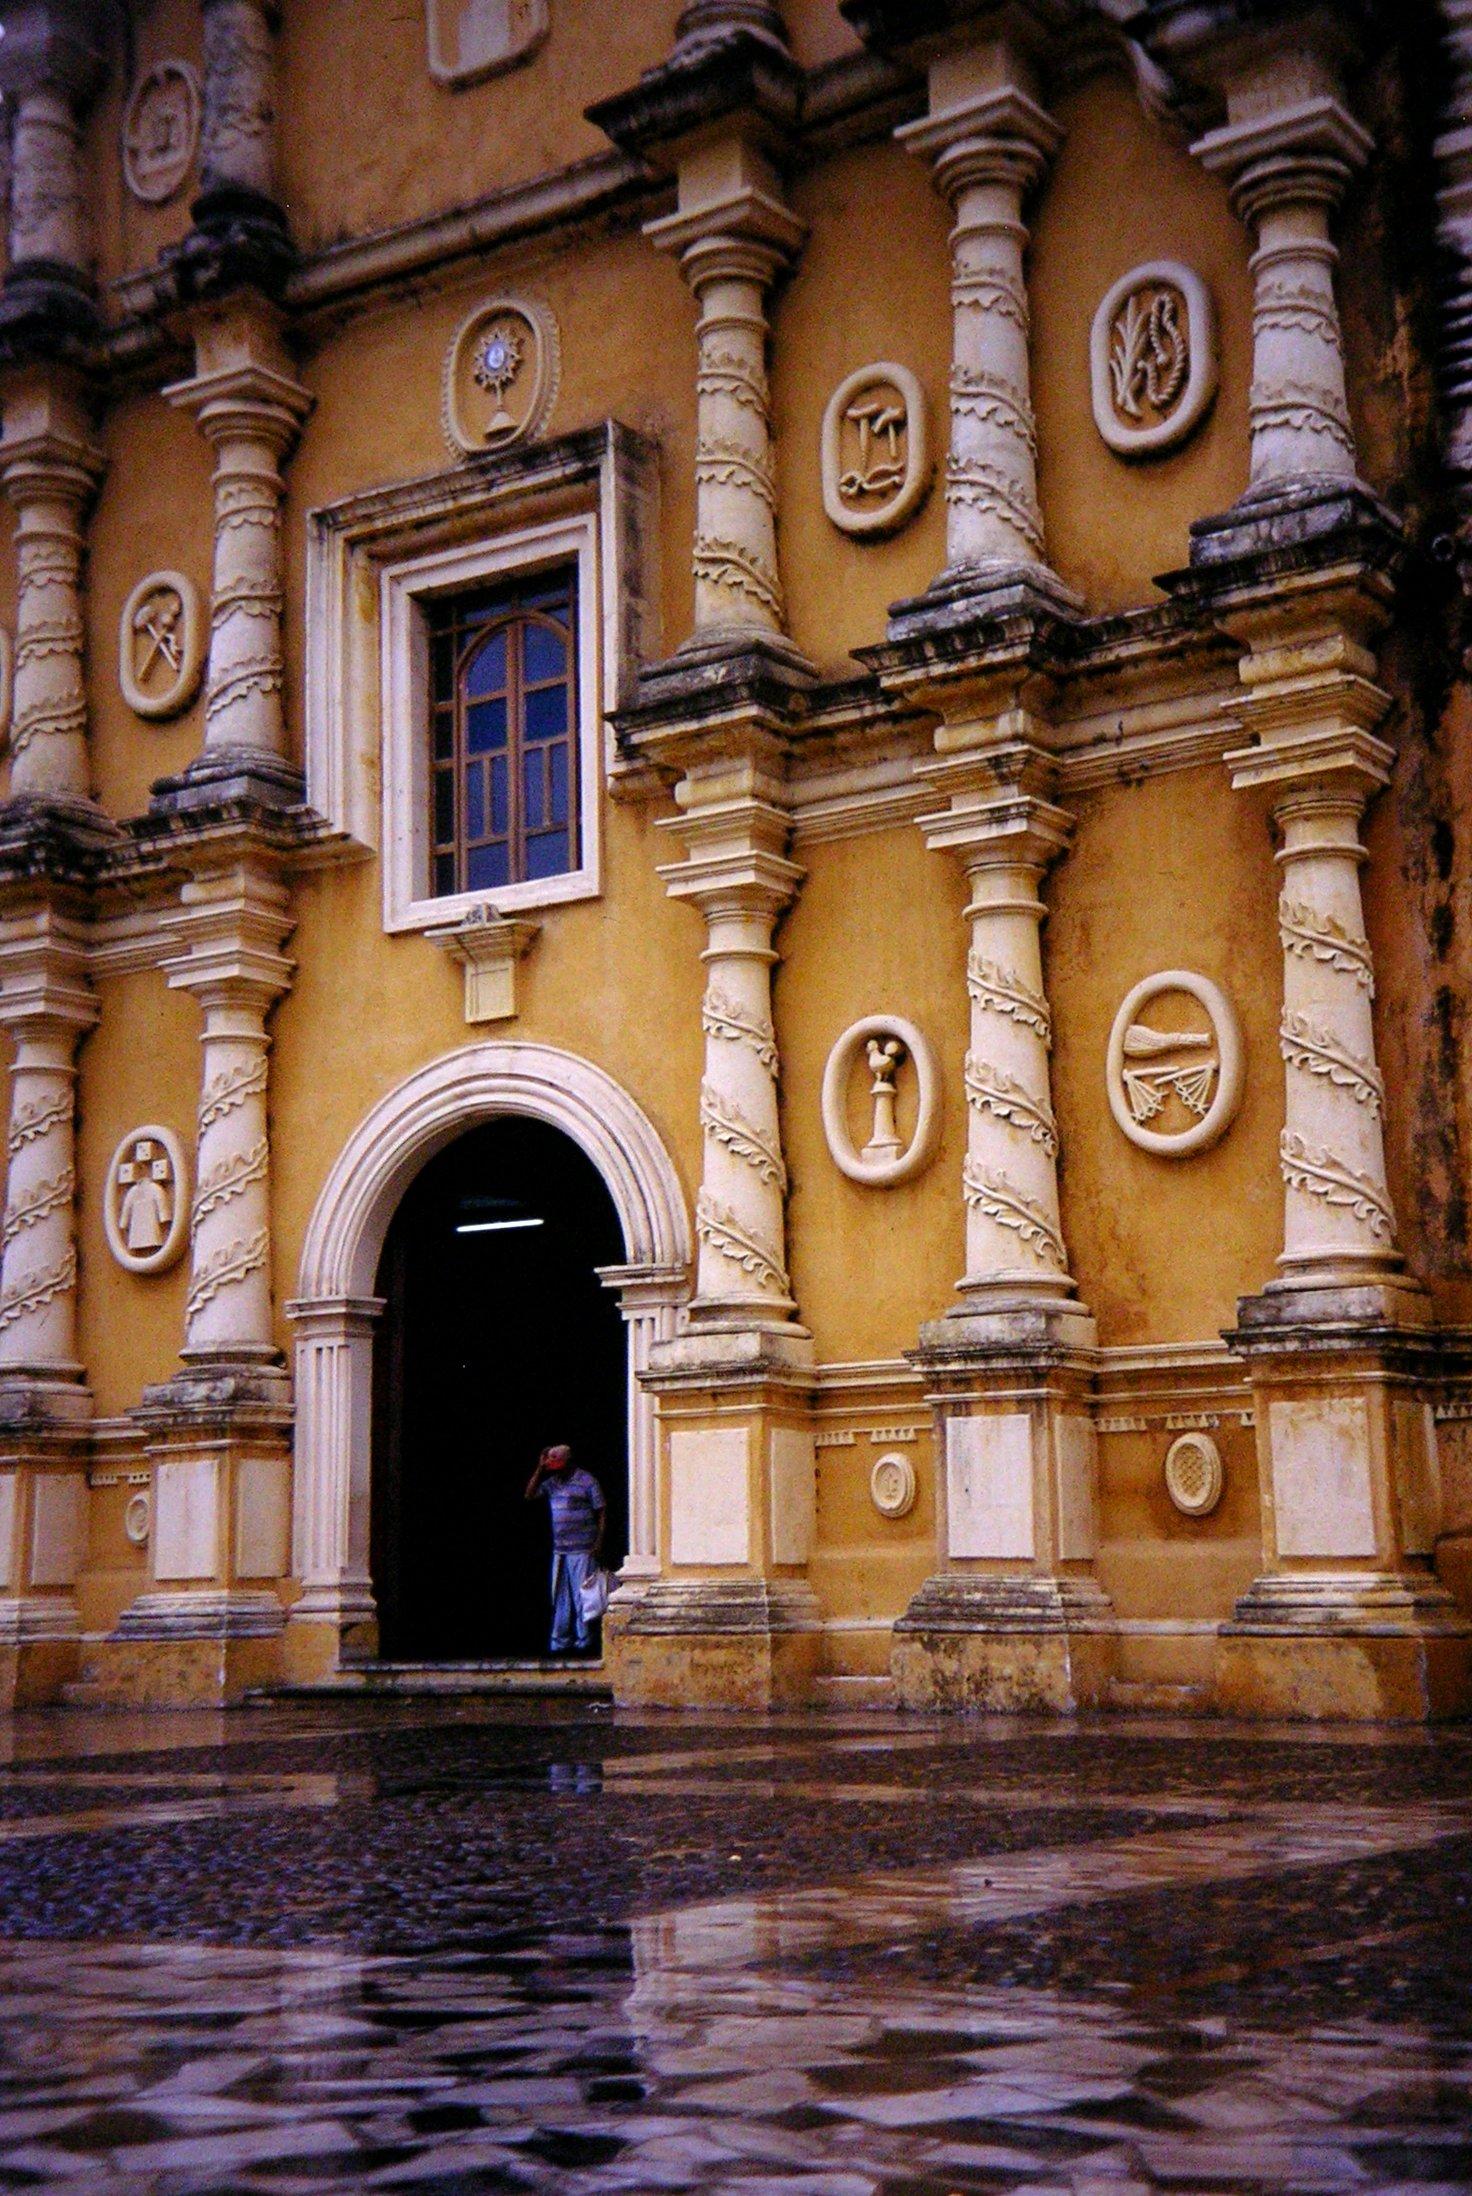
1174 1069
876 451
501 376
894 1051
1152 358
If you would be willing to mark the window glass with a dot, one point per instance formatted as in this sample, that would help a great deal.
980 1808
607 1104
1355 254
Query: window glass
504 720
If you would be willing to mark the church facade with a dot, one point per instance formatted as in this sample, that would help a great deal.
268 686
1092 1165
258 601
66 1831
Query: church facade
739 734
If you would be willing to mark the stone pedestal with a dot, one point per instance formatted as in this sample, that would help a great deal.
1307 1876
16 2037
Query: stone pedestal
1347 1618
43 1543
731 1621
208 1628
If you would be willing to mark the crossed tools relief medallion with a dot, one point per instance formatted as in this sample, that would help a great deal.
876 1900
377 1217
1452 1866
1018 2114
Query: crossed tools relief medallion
161 641
1174 1067
875 451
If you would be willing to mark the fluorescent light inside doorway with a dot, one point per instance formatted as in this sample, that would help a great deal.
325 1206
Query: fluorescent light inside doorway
494 1227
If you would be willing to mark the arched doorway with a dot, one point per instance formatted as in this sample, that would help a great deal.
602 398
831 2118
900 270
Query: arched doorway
497 1338
336 1314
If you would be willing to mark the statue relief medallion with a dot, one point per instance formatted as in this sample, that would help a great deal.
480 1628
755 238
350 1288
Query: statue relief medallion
876 451
1152 357
895 1055
501 376
161 638
1193 1474
1174 1070
471 39
145 1204
161 131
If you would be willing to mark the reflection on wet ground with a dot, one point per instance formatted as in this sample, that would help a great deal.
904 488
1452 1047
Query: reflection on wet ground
473 1947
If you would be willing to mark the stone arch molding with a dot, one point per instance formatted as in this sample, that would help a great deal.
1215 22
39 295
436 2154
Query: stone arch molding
334 1312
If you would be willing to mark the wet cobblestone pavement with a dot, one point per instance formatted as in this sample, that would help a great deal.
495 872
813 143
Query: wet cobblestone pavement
476 1946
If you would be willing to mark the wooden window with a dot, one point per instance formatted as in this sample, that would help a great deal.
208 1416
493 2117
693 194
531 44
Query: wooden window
503 703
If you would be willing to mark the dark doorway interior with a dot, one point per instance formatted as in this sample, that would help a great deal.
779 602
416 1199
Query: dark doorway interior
498 1339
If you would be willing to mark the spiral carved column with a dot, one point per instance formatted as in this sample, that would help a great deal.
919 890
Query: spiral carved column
731 248
250 409
233 965
49 471
1288 163
47 1004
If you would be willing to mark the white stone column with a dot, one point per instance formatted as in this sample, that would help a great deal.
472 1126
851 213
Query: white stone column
48 1006
52 59
333 1462
233 926
733 235
648 1297
238 132
989 144
1014 1237
1288 150
49 470
736 872
250 409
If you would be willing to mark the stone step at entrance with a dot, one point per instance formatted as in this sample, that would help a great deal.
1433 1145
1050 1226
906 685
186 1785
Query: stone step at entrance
544 1675
854 1692
1155 1697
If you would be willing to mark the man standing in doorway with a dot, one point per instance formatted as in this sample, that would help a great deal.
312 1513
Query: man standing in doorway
579 1514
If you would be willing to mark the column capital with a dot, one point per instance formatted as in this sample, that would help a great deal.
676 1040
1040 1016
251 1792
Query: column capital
735 856
1000 811
1309 700
46 448
244 399
231 926
1299 152
43 974
58 46
998 135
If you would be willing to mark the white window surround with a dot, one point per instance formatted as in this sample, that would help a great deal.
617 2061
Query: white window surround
373 557
405 589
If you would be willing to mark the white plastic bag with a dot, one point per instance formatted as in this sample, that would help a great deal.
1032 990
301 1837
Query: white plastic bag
593 1594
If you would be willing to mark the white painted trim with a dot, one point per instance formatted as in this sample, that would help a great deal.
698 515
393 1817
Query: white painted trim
405 587
335 1312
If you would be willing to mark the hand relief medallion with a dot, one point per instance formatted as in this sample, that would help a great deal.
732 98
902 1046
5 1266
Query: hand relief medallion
1174 1070
145 1206
501 376
1152 358
876 454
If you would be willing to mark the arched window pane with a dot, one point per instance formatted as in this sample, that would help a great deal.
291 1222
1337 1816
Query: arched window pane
501 736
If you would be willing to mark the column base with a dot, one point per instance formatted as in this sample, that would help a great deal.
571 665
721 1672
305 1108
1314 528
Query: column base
966 594
1366 1646
229 774
714 1643
1004 1645
328 1628
53 1398
186 1650
39 1649
1289 514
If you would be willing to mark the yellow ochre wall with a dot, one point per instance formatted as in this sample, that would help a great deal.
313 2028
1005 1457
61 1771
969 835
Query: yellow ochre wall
1160 1252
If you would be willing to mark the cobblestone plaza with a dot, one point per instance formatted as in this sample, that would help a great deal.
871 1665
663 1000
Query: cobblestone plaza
478 1946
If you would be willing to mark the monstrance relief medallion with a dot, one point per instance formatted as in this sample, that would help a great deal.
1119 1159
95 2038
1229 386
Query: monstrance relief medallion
501 376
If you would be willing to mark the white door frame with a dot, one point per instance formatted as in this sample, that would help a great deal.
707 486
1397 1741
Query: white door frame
335 1311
